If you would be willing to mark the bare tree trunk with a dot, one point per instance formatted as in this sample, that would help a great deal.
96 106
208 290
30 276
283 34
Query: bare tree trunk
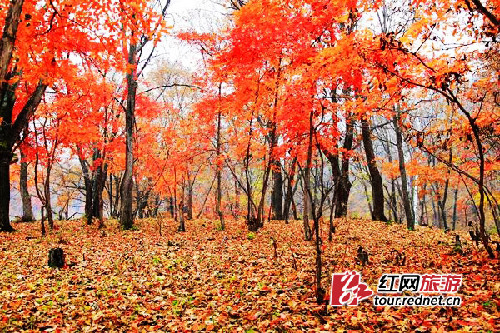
44 232
410 220
5 159
236 212
190 200
277 194
265 183
88 187
110 194
307 182
340 171
251 220
375 177
126 215
306 208
182 224
294 210
48 204
442 203
482 215
171 206
423 209
435 214
219 169
454 218
25 196
394 203
289 190
98 187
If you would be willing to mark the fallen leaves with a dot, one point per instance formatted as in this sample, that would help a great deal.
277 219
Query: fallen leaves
141 281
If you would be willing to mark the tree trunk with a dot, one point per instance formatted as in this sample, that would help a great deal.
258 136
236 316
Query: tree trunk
25 196
126 215
9 131
117 196
236 211
423 208
267 172
343 189
182 225
190 200
170 206
265 183
340 172
5 159
277 194
219 169
97 202
410 220
394 203
48 203
375 177
368 201
294 210
442 206
289 190
88 187
454 218
251 220
482 216
442 203
307 182
110 194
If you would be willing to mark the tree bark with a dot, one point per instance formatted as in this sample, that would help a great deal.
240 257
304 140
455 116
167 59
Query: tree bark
410 219
47 195
294 210
189 200
23 185
9 35
340 172
375 177
5 159
289 190
88 187
307 182
236 211
97 189
219 169
126 215
182 225
277 193
171 206
9 135
442 202
454 218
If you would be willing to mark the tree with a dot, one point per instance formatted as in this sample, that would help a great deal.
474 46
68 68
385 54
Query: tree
23 184
25 79
375 177
141 25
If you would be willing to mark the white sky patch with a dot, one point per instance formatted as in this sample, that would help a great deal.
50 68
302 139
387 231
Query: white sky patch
189 15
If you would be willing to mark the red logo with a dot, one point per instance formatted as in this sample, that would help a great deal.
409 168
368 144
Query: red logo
348 289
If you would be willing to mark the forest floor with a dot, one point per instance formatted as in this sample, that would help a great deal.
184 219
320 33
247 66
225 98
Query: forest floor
206 279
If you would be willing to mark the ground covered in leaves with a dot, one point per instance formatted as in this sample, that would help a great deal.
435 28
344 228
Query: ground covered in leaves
211 280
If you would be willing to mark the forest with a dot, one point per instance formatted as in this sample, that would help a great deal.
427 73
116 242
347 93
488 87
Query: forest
208 165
